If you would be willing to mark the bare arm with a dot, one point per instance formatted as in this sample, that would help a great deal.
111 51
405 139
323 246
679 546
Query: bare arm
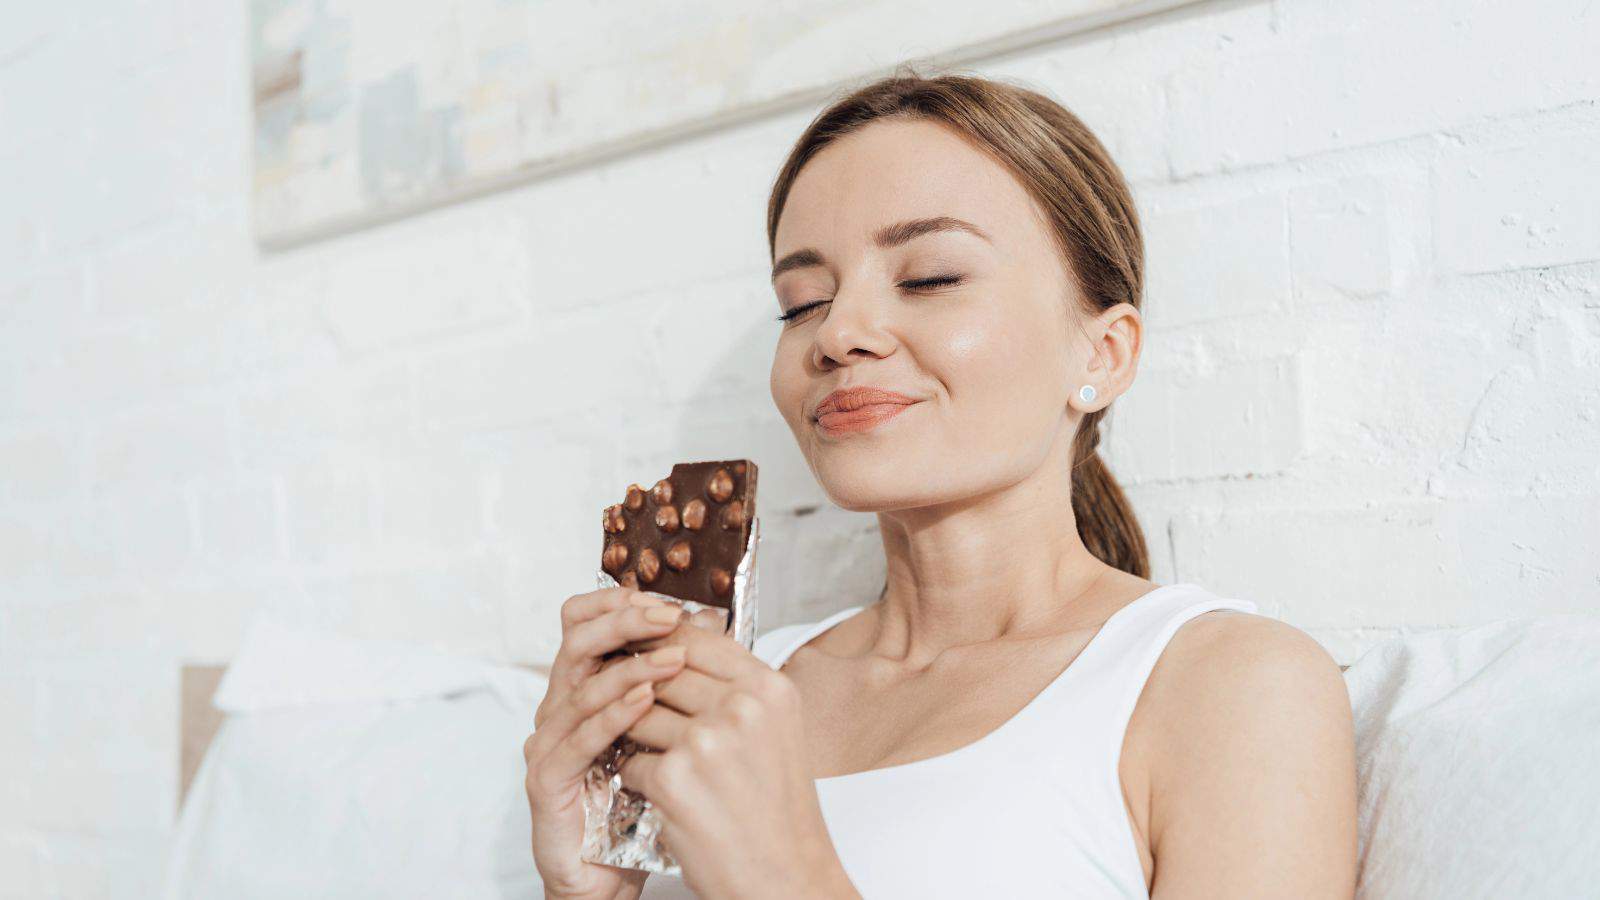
1252 779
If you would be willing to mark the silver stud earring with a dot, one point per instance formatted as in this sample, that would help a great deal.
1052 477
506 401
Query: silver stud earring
1086 393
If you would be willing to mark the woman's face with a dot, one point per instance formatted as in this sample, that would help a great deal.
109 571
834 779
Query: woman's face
989 361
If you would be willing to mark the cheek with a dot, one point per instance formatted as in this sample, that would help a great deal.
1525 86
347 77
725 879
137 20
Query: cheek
787 380
980 354
998 368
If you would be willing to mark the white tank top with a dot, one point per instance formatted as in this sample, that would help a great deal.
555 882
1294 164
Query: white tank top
1031 809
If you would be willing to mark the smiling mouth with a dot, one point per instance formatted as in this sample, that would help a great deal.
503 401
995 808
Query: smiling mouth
862 418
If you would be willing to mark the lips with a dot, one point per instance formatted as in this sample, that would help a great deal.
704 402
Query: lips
859 409
851 399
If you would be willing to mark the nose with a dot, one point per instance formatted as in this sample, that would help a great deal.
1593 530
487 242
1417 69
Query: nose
853 329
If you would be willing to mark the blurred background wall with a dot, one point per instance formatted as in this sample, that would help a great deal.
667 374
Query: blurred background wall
1368 398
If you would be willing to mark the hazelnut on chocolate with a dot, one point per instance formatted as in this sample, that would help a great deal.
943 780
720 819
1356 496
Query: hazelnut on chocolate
649 565
679 556
662 492
732 518
720 487
682 535
615 557
694 514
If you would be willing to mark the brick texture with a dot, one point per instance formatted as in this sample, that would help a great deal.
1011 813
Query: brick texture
1368 398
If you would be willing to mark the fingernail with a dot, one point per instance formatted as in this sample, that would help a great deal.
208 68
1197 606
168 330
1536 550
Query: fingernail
664 615
666 656
637 692
704 622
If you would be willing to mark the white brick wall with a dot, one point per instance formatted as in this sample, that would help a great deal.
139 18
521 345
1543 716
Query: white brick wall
1368 399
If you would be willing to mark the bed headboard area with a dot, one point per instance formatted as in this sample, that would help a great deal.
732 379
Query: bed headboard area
198 721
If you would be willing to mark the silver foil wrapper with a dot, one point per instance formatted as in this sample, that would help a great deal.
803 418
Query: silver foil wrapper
621 828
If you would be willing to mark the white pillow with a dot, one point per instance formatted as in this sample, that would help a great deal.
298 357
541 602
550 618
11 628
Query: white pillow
359 769
1479 758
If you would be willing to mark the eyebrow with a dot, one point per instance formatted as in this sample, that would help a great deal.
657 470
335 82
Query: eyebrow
886 237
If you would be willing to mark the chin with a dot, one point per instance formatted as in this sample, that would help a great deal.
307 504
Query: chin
885 483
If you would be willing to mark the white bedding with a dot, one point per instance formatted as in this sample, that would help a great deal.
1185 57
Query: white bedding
1479 756
358 769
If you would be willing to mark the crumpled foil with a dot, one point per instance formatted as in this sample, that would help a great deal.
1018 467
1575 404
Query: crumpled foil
621 827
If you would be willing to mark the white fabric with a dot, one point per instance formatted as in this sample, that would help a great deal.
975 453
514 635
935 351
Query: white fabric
357 769
1032 809
1479 755
374 769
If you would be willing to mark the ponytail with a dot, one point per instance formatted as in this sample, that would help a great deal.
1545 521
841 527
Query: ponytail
1106 522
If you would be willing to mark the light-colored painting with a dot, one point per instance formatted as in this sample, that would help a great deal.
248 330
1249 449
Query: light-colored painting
370 109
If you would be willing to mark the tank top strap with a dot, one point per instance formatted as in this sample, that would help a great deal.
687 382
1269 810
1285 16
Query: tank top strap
1113 668
775 646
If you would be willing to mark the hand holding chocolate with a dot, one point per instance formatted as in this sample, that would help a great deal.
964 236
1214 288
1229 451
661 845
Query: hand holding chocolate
691 537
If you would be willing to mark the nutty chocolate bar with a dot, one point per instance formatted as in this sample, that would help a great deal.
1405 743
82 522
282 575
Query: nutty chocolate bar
693 537
685 535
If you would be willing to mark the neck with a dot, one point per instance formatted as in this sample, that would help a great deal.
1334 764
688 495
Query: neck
1008 562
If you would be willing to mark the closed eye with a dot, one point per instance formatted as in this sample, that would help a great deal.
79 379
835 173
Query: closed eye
920 284
937 281
800 309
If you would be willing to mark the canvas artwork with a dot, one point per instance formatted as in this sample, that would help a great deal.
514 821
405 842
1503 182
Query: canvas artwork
370 109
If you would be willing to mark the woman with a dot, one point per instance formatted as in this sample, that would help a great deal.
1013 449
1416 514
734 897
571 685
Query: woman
1021 712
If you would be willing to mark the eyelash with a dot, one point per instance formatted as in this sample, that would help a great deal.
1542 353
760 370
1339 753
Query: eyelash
918 284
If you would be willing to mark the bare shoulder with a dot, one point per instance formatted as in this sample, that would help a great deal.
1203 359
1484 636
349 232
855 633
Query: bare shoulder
1247 754
1228 675
1229 648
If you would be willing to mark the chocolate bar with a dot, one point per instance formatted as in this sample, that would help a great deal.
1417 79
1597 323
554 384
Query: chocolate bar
685 535
692 537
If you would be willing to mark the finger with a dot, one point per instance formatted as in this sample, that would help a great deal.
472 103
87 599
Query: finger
568 669
660 727
570 758
717 655
583 607
691 692
713 619
708 620
582 646
640 774
603 689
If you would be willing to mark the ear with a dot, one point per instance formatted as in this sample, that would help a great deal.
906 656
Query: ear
1115 337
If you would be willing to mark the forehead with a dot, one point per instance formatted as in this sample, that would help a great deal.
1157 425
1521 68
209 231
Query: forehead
893 170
